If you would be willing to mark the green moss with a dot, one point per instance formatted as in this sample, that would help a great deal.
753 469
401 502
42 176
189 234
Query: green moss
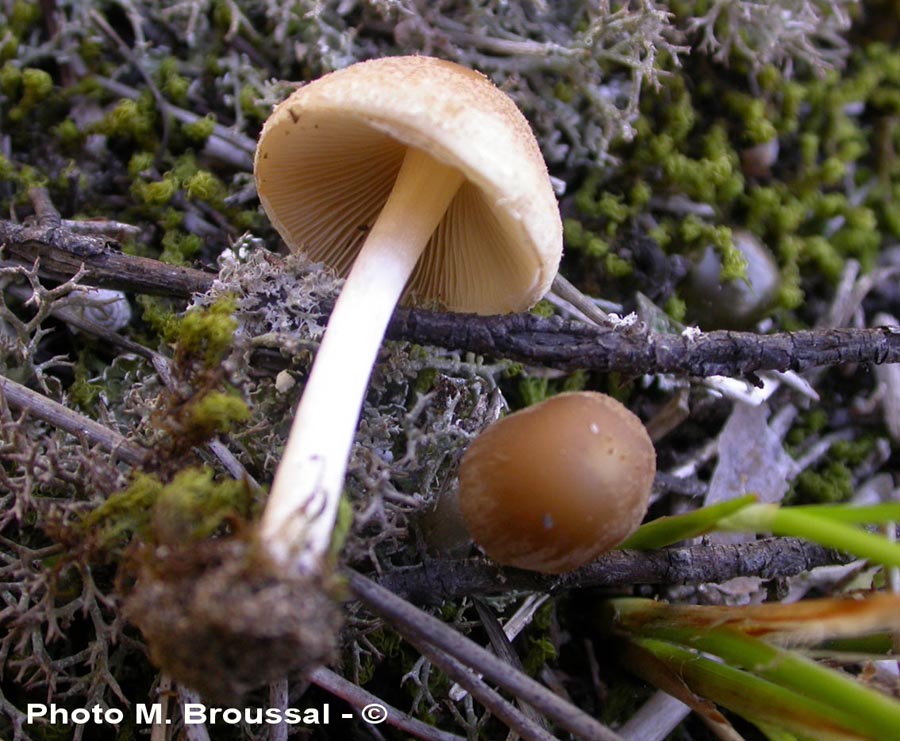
195 505
158 314
250 107
83 392
156 192
694 233
36 85
192 507
751 111
9 47
790 292
179 247
579 239
23 16
7 169
200 130
832 484
216 412
539 648
208 332
140 162
833 480
68 133
854 452
543 308
577 381
640 195
534 390
10 80
617 267
563 91
676 308
832 170
538 653
171 83
812 423
123 515
204 186
826 258
130 120
343 526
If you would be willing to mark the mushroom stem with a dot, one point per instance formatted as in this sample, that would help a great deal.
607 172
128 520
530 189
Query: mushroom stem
299 517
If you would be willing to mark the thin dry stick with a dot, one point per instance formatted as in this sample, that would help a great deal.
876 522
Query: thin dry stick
527 338
278 699
358 698
54 413
414 624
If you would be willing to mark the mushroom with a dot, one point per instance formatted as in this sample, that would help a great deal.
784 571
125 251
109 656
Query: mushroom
417 179
552 486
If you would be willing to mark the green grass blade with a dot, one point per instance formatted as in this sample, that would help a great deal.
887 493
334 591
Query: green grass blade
664 531
759 700
873 514
874 714
820 529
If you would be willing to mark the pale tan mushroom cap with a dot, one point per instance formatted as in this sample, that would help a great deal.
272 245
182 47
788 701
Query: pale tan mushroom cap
551 487
328 155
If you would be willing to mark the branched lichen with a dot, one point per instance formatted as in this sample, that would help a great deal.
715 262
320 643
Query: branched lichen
786 33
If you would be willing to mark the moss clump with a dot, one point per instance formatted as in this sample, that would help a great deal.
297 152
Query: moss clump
171 83
204 186
207 332
216 412
131 121
190 508
178 247
157 192
200 130
829 485
833 481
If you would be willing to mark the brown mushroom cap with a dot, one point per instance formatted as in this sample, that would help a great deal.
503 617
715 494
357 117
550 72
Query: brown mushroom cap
551 487
328 156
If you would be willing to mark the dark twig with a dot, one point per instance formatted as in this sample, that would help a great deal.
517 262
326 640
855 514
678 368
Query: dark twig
527 338
63 253
420 627
435 581
570 345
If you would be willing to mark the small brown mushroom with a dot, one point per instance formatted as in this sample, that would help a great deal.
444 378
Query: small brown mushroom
551 487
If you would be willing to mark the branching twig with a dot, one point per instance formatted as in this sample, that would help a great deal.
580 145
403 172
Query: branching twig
528 338
570 345
436 580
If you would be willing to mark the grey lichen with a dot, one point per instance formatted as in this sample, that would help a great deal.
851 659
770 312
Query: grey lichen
423 404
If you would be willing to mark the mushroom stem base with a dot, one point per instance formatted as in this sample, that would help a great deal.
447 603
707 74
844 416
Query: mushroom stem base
299 517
